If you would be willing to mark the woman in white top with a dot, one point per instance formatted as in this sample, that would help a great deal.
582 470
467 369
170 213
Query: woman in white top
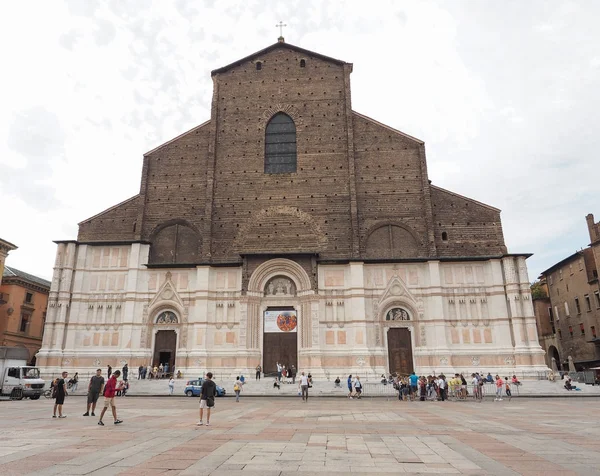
171 385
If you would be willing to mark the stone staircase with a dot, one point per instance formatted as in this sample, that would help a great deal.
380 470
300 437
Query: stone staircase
324 388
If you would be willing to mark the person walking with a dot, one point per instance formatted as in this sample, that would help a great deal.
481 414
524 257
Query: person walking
358 387
61 393
499 385
237 388
125 372
349 382
258 371
171 385
110 389
507 389
140 370
294 372
443 387
304 387
279 368
207 398
94 391
75 383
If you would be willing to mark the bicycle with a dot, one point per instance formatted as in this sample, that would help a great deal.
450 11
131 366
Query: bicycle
48 393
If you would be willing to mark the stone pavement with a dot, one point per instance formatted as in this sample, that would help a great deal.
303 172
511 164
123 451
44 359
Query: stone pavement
283 436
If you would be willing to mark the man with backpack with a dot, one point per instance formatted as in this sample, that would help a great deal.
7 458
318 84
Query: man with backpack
207 398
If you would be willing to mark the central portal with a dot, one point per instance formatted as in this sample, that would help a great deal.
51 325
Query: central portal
280 339
165 345
400 351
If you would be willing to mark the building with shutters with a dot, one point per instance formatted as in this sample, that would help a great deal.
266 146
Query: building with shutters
290 228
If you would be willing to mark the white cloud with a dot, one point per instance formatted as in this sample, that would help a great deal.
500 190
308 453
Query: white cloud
504 95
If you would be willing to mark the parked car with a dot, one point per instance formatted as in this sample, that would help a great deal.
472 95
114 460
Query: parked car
193 388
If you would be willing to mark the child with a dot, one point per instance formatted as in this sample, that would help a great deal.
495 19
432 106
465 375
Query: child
499 385
276 384
507 389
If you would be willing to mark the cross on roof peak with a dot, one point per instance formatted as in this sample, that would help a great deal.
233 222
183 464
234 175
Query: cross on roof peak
280 25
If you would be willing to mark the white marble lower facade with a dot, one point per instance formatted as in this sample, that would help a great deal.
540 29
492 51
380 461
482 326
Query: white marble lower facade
106 307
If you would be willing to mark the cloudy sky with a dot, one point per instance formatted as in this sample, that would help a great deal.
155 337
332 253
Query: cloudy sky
504 94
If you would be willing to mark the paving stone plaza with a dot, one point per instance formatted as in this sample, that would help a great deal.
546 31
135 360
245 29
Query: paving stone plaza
281 436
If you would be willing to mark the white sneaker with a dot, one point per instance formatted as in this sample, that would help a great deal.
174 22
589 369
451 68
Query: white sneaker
499 399
200 423
350 398
495 399
207 423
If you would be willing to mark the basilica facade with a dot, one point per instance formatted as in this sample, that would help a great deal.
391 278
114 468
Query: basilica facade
289 228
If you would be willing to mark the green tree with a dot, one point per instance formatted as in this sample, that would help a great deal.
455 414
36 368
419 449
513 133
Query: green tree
537 290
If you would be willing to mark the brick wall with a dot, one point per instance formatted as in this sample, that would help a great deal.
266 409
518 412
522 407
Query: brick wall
360 189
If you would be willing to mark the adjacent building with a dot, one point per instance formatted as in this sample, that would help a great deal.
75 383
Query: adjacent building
23 310
289 227
572 310
5 248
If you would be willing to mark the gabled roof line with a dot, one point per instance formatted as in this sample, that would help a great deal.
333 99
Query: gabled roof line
273 47
109 209
465 198
362 116
10 272
175 138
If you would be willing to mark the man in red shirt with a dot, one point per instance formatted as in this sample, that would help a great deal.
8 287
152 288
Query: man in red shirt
109 397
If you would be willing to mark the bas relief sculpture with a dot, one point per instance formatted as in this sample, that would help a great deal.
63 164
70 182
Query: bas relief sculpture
280 286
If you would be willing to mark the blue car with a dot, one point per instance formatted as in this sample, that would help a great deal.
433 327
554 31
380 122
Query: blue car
193 388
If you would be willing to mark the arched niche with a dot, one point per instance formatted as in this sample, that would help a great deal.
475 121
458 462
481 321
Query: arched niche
176 243
391 241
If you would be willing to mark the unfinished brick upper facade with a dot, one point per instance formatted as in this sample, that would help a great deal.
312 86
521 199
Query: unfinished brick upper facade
360 190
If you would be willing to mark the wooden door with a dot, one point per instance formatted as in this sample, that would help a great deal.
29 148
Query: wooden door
165 343
400 351
279 347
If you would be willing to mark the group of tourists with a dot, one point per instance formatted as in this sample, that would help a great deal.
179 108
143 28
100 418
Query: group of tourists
434 388
96 387
289 373
158 371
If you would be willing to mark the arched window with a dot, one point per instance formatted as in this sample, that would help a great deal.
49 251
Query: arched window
175 243
303 63
258 66
280 145
444 236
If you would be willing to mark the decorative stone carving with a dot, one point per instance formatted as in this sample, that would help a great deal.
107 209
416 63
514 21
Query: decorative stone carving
397 314
280 286
423 336
509 361
475 361
360 361
443 361
97 362
167 317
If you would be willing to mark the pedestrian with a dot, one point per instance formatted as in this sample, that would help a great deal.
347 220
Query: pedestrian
166 368
110 389
207 398
109 369
124 387
289 375
279 372
414 382
304 387
171 385
507 389
349 382
243 379
75 380
294 372
443 387
125 372
499 385
94 391
258 371
59 396
338 383
237 388
476 388
140 371
358 387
